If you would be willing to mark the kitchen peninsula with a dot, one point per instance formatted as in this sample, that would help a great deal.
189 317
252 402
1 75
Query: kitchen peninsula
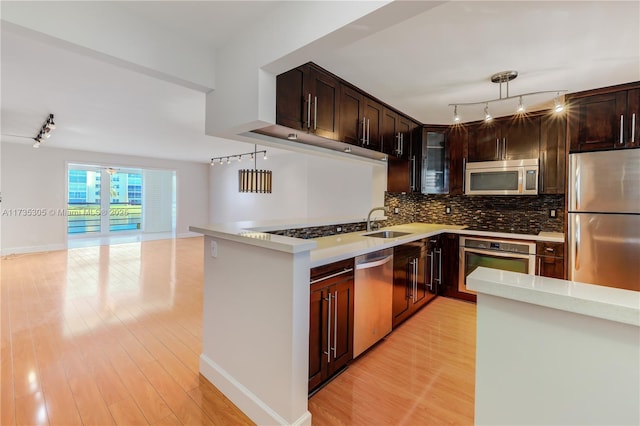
550 351
256 308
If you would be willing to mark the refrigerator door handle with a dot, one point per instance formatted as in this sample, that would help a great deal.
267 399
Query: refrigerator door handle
576 264
576 184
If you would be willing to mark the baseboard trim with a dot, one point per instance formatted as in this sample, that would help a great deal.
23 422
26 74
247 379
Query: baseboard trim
243 398
32 249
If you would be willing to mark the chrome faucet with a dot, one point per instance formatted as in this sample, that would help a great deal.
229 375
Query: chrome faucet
384 208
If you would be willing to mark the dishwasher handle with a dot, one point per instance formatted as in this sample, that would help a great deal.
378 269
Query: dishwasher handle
375 263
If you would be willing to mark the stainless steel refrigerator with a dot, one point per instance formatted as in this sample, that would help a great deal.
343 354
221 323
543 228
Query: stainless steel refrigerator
604 218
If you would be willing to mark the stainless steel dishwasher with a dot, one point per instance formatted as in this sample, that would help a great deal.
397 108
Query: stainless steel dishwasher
373 298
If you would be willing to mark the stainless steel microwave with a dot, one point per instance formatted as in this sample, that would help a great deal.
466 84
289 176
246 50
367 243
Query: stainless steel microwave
510 177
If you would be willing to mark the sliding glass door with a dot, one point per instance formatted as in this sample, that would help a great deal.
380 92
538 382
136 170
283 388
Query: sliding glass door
84 200
125 201
103 200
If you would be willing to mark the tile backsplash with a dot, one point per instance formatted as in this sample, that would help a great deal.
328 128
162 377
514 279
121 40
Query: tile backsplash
521 215
518 214
322 231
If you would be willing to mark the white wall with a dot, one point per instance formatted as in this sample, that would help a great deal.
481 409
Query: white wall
36 179
158 200
304 186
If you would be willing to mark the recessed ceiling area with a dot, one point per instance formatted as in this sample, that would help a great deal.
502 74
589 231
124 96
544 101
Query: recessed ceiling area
442 56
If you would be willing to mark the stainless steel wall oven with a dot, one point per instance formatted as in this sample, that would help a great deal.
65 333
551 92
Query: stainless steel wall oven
508 255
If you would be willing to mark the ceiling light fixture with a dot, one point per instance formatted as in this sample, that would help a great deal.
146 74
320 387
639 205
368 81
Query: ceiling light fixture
45 131
487 116
292 136
520 109
557 105
250 180
456 116
506 77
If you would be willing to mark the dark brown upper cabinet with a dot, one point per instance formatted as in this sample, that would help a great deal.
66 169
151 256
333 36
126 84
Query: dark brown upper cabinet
404 138
372 124
352 123
403 170
606 118
360 119
390 141
457 139
307 99
552 171
509 138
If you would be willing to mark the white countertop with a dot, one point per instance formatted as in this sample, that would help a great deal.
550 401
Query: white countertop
337 247
609 303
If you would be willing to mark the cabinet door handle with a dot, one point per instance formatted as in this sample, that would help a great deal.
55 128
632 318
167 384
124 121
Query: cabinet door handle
401 143
335 324
439 280
621 129
549 249
431 271
464 175
415 291
368 132
309 111
315 112
413 174
633 127
542 175
328 352
539 266
504 148
497 145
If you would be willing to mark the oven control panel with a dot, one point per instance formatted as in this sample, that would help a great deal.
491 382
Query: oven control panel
505 246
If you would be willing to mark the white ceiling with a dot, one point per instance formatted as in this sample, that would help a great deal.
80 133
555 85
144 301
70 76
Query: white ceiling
442 56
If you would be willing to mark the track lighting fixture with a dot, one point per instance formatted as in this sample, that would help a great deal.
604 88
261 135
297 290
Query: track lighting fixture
456 116
250 180
45 131
487 116
557 105
506 77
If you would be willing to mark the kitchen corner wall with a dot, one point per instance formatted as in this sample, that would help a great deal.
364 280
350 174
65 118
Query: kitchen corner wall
515 214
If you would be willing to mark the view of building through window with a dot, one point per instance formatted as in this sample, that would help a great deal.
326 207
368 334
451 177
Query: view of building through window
94 207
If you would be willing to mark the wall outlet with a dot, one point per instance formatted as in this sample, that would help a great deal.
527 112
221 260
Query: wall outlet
553 213
447 210
339 229
214 248
396 210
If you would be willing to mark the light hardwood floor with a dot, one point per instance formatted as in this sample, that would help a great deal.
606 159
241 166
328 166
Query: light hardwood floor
112 335
421 374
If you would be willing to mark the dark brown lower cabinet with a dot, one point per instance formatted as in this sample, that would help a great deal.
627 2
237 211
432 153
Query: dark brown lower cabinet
330 321
550 259
413 283
450 244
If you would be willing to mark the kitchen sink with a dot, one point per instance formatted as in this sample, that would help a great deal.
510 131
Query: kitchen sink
386 234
